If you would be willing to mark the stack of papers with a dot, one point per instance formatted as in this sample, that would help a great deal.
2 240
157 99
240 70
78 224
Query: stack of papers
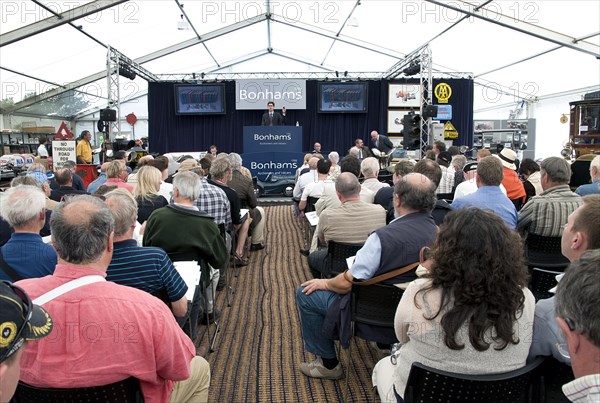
190 273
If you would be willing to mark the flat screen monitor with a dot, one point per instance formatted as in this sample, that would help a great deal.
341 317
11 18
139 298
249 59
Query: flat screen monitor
199 99
350 97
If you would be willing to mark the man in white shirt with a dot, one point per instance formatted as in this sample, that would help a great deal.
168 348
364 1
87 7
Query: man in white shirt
42 151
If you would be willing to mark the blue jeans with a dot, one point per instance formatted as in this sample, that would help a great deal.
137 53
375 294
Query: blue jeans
313 309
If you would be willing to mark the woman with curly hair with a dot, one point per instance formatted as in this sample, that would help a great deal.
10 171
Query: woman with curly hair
472 313
146 192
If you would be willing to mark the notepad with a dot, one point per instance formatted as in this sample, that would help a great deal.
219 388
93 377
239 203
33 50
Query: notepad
312 218
190 273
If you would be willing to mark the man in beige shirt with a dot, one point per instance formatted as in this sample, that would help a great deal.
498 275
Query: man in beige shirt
352 222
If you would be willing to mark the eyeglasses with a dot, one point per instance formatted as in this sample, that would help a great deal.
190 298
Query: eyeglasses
18 340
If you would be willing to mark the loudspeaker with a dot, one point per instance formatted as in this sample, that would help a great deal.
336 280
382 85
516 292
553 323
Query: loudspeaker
430 111
108 115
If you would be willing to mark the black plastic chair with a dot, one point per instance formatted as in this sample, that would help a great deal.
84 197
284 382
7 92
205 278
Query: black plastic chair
541 281
200 296
426 384
373 312
224 271
337 253
545 253
310 204
555 374
125 391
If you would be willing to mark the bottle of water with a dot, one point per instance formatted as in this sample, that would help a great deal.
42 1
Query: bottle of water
297 123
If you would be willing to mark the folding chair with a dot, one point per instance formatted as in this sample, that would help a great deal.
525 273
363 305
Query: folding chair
200 296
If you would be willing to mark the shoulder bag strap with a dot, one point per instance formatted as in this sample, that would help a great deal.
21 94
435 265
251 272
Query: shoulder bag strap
66 287
9 270
384 276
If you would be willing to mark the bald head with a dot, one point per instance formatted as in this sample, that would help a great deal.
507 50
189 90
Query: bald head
347 187
414 193
312 163
81 228
104 166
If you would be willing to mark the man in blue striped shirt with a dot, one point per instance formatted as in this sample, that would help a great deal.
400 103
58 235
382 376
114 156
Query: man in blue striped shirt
146 268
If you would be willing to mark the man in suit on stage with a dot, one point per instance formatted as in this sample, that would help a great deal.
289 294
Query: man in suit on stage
273 118
381 143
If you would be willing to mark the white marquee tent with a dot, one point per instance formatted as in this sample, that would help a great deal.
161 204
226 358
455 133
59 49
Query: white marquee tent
545 53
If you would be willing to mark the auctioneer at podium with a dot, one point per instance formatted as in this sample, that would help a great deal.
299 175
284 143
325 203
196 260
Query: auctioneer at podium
271 117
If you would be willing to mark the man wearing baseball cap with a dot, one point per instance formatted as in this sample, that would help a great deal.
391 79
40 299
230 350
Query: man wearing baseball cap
20 321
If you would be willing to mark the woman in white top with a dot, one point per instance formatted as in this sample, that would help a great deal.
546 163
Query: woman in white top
472 314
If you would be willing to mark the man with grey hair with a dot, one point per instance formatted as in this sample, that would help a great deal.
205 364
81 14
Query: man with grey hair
244 187
547 213
578 317
339 223
220 172
414 198
25 255
384 196
370 170
488 195
145 268
594 187
108 329
182 227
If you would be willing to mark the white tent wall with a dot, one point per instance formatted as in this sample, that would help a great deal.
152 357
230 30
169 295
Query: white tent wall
137 106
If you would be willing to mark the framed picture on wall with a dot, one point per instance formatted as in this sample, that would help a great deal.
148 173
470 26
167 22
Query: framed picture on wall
404 95
395 120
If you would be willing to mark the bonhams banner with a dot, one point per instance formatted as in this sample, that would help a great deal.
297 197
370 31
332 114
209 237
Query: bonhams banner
254 94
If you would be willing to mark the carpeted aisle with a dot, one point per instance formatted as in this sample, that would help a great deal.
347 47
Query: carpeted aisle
260 346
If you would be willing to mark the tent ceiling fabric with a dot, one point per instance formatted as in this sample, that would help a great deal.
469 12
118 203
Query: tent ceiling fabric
278 36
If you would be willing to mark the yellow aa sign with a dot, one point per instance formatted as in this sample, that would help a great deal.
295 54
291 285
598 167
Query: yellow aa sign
442 92
449 131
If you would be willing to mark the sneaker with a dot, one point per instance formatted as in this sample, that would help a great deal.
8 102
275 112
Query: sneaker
316 369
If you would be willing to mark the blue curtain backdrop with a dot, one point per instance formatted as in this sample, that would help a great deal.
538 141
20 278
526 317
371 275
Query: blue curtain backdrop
169 132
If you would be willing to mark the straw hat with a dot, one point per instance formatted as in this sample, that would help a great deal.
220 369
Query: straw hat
507 157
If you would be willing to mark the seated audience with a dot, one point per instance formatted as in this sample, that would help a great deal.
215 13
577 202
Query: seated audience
433 171
482 153
42 181
145 268
77 181
546 214
458 163
132 178
129 332
122 155
513 185
439 147
530 172
64 179
581 233
25 255
244 187
335 170
488 195
369 168
146 192
578 316
594 187
182 227
306 178
414 228
220 172
116 174
471 313
302 167
315 189
446 186
17 312
162 164
100 180
385 196
339 224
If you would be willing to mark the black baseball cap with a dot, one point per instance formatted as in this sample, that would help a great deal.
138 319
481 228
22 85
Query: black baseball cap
20 320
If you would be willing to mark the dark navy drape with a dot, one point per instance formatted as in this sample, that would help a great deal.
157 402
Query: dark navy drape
169 132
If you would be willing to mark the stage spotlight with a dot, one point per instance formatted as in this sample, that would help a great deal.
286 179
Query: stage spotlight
412 69
126 72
